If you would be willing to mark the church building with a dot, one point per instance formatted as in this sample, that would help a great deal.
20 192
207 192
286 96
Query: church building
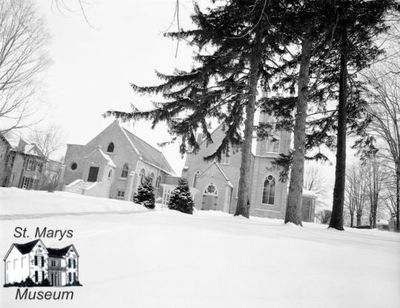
215 184
113 164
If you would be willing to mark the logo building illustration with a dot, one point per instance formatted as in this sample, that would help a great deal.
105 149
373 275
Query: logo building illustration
33 264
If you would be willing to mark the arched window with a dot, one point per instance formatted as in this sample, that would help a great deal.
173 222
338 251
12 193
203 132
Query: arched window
110 147
151 176
211 189
195 177
125 169
269 190
109 173
142 176
158 181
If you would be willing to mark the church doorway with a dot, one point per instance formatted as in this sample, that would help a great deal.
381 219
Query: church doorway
210 197
93 172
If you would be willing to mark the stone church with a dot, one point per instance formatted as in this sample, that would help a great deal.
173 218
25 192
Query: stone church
113 164
215 184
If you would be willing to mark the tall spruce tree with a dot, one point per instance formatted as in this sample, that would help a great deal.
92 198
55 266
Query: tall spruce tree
223 84
359 24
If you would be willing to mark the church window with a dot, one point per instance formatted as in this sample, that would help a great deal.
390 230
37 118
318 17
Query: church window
225 158
158 181
272 145
125 169
196 176
120 194
110 147
142 176
73 166
269 190
151 177
211 189
109 173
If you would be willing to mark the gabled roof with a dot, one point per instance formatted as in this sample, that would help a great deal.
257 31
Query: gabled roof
24 248
60 252
103 155
220 170
27 247
149 153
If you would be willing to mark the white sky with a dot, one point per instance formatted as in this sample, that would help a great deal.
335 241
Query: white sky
93 66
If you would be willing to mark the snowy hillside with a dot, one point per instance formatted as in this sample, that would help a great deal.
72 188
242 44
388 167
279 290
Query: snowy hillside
132 257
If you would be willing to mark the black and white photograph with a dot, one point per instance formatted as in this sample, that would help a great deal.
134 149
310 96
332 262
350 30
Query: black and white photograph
200 153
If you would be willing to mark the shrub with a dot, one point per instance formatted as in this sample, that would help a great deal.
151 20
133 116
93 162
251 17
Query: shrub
181 199
145 194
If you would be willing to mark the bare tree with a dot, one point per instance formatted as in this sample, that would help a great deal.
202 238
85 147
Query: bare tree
22 56
49 140
315 181
356 192
376 176
384 108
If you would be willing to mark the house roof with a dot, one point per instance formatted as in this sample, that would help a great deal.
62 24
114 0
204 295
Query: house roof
58 252
20 145
27 247
149 153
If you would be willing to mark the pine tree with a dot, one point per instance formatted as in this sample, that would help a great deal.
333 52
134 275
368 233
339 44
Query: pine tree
359 23
145 194
181 199
234 38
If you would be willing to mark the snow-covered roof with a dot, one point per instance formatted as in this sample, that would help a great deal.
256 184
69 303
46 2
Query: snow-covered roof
148 153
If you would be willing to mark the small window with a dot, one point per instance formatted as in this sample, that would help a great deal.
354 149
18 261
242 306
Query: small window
69 263
158 181
36 276
70 277
36 260
43 276
269 191
120 194
196 176
110 147
211 189
42 260
125 170
142 176
151 177
110 173
74 263
74 165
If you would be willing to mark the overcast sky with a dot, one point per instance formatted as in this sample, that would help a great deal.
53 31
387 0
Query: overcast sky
94 64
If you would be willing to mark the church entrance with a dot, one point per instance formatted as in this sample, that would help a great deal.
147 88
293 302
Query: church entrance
93 172
210 197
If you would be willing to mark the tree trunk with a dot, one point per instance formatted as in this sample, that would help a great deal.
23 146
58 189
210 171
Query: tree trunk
340 172
243 204
351 219
294 201
358 216
397 195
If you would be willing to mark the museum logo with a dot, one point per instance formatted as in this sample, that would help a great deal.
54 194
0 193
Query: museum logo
34 265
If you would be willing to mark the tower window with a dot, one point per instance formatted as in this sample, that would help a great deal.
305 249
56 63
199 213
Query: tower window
125 170
269 190
110 147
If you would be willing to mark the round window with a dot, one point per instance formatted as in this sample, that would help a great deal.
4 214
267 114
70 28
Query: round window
74 166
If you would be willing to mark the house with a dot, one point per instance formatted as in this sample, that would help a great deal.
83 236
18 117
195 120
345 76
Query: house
215 184
33 260
23 165
113 164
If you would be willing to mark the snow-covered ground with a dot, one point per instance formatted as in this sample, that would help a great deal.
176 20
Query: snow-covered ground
131 257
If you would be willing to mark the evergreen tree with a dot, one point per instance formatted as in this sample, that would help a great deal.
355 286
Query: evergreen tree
359 23
145 194
234 38
181 199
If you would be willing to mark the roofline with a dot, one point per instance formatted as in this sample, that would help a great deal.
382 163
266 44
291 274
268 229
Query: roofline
158 167
13 245
129 140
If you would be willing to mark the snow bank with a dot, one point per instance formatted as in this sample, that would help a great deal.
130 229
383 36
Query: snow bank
19 203
165 258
